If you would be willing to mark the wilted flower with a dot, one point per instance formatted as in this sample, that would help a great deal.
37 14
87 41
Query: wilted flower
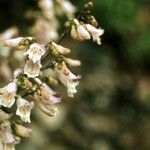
95 33
7 94
35 52
67 78
24 109
82 33
32 69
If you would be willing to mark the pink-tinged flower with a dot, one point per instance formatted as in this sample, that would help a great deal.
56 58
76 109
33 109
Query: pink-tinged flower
46 98
7 94
16 41
9 33
32 69
67 78
82 33
24 108
72 62
60 49
48 95
35 52
7 139
95 33
13 42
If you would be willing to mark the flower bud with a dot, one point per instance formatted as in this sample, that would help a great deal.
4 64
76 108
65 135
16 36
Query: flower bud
60 49
72 62
23 131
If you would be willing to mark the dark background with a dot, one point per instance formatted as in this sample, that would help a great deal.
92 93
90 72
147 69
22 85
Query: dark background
111 109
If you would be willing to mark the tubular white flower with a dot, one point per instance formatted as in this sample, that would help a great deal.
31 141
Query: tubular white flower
32 69
16 41
95 33
48 109
46 99
35 52
60 49
7 94
71 88
72 62
13 42
67 79
82 33
47 95
24 109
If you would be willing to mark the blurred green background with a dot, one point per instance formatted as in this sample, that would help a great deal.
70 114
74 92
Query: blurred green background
111 109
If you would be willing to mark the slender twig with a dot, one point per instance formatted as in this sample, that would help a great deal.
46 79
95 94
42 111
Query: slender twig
48 55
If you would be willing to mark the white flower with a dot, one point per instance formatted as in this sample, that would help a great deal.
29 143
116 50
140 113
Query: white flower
72 62
47 95
35 52
24 109
32 69
7 94
13 42
60 49
68 8
95 33
47 7
67 78
71 88
48 109
22 131
46 99
9 33
16 41
82 33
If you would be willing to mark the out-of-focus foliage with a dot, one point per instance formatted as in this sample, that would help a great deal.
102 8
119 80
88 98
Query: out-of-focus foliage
111 110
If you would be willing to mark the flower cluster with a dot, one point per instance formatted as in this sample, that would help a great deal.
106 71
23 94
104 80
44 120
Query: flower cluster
28 87
81 31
